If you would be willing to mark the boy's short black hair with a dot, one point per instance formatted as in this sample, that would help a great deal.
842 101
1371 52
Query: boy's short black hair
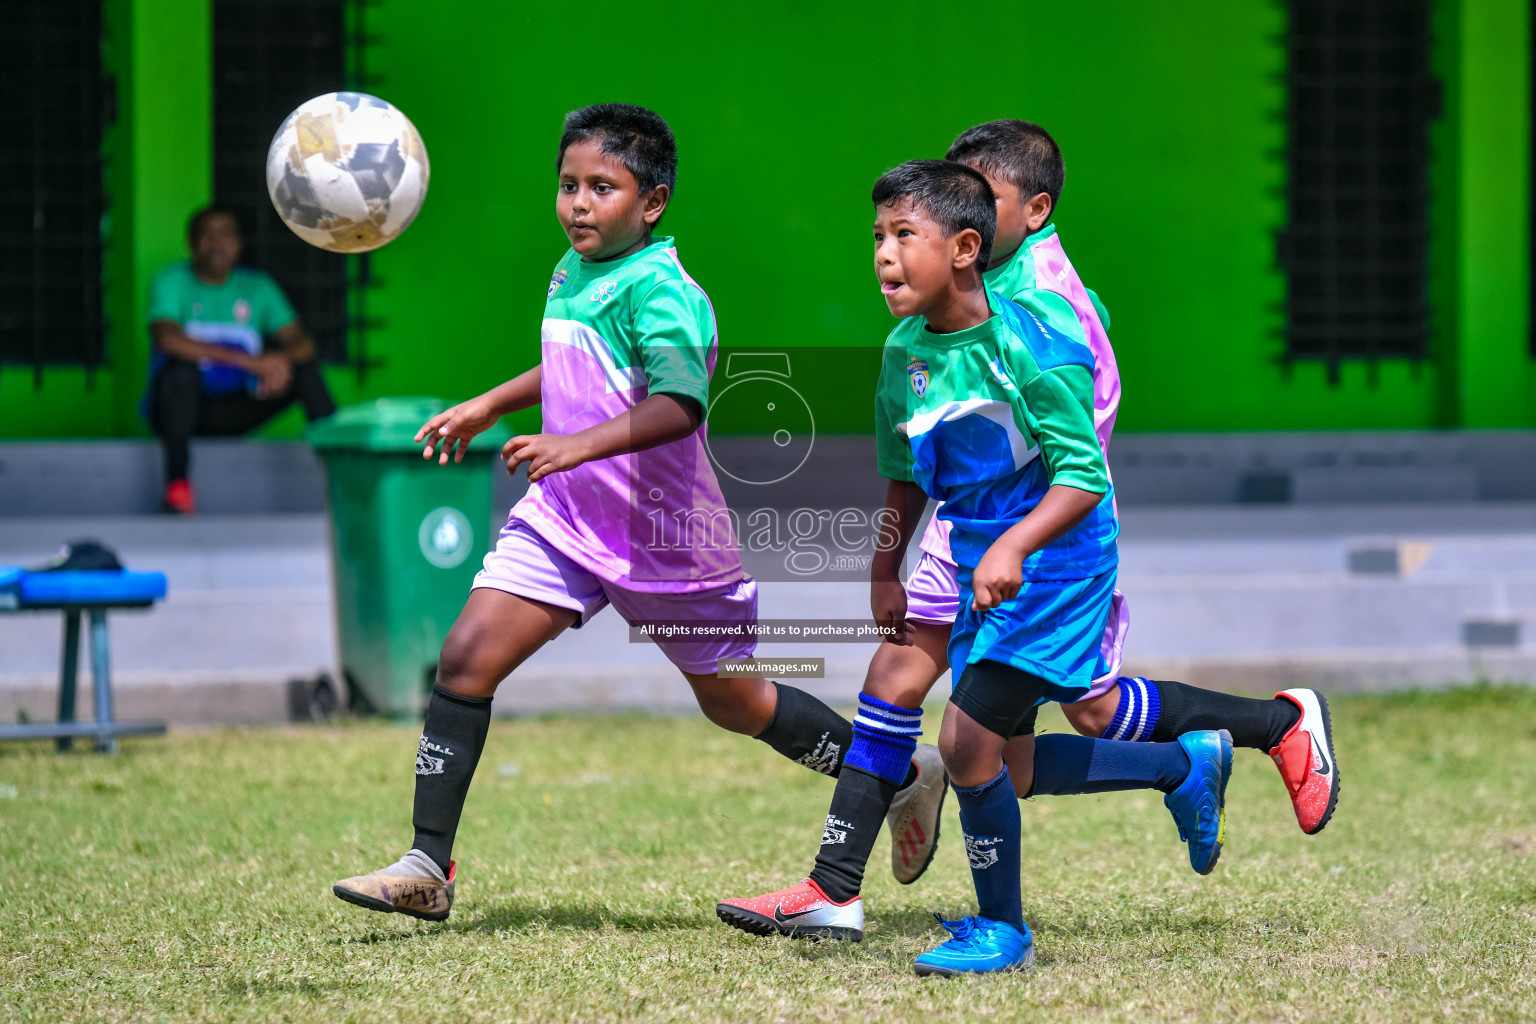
638 137
1020 152
195 224
953 194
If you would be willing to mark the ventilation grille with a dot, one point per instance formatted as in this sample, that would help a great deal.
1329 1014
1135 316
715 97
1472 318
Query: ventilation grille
51 198
1355 248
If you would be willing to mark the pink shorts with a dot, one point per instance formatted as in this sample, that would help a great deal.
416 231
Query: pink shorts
933 598
526 564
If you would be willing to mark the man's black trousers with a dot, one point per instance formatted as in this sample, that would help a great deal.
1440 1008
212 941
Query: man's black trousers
179 411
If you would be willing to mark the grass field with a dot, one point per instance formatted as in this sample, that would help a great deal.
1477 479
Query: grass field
188 879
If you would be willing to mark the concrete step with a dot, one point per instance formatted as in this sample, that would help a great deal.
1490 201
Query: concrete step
1244 597
241 476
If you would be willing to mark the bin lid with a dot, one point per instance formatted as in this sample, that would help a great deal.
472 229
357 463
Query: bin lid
389 425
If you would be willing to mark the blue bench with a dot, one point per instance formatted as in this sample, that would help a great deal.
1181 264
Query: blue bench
73 593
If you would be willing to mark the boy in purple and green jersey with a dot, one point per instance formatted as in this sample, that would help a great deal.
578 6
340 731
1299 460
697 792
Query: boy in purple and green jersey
623 507
612 330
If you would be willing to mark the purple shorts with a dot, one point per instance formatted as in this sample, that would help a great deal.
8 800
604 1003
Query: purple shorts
933 598
526 564
933 592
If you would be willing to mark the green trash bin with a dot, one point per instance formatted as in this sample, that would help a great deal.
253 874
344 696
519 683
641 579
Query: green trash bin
407 537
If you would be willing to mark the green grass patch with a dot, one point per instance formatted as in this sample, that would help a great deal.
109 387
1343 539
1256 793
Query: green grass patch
188 878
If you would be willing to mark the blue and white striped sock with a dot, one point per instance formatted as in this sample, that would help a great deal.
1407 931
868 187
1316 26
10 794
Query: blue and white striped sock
1136 717
878 760
884 737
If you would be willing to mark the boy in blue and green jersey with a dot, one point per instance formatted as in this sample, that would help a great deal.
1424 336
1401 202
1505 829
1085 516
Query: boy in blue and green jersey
1023 165
987 408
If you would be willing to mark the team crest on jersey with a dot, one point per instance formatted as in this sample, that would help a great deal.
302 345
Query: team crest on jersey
242 310
917 373
555 283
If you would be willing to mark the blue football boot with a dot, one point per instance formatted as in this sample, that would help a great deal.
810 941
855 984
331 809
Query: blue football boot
979 944
1199 805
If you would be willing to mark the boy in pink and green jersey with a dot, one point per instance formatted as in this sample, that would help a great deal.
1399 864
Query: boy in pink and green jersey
623 506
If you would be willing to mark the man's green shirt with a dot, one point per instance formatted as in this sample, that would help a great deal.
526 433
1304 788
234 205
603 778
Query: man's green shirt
239 314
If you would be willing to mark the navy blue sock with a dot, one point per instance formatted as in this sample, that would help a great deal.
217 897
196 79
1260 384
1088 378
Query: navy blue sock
989 817
1067 764
1141 705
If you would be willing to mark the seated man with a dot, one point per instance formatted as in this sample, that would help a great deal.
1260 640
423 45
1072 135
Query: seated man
229 353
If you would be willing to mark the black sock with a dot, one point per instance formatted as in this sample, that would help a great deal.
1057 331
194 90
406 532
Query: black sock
451 741
859 806
808 732
1252 721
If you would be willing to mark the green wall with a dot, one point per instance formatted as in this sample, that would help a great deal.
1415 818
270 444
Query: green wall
1170 117
1487 339
158 169
785 115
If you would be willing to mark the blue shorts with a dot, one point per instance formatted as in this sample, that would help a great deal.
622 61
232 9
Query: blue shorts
1050 628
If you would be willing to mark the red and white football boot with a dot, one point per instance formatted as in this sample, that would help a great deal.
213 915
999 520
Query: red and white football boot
1306 762
914 815
801 911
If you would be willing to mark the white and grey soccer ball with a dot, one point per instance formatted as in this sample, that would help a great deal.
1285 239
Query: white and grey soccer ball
347 172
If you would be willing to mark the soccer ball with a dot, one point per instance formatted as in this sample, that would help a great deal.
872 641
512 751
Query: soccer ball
347 172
